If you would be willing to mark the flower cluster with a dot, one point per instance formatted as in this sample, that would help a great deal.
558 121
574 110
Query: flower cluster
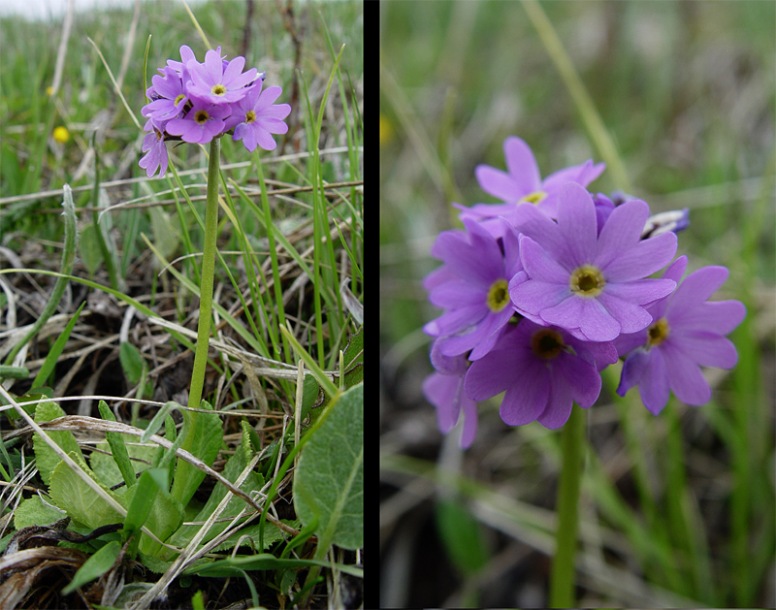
547 288
196 102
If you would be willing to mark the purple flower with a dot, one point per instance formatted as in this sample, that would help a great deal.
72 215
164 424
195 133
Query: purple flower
543 370
255 118
168 96
201 123
473 287
522 182
213 83
593 285
155 149
687 333
444 390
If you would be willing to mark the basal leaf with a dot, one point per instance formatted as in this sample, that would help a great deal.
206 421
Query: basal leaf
45 457
234 467
34 511
202 437
329 481
82 504
94 567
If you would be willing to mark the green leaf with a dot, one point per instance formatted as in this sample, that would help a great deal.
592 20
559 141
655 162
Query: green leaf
234 467
45 458
150 504
250 535
89 248
82 504
94 567
56 350
139 457
202 437
462 536
34 511
132 362
118 448
166 235
329 481
235 566
353 358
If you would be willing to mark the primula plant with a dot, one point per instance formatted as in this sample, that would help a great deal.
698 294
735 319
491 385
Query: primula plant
543 290
133 498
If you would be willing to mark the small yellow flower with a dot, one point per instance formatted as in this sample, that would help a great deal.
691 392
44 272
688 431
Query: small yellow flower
49 91
61 134
386 130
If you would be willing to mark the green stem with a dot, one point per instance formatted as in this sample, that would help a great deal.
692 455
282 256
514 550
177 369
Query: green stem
206 285
562 575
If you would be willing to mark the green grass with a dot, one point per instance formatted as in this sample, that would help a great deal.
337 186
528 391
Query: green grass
672 506
289 243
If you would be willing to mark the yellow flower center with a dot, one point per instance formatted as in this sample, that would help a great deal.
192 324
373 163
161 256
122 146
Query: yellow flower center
547 344
658 332
218 90
587 281
535 197
201 117
179 98
250 116
498 296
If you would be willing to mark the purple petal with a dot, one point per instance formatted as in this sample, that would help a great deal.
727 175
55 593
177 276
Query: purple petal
492 329
639 261
595 322
492 374
234 68
621 231
278 112
582 174
641 292
685 377
706 349
481 335
654 385
559 406
698 287
443 392
469 408
521 165
626 343
526 400
454 321
577 224
632 371
540 265
533 296
497 183
565 314
675 270
581 377
721 316
456 293
267 97
631 316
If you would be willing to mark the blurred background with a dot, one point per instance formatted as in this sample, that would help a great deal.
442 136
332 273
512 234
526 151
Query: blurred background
677 510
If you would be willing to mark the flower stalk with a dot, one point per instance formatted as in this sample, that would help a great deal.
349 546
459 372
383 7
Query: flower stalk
208 272
562 575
